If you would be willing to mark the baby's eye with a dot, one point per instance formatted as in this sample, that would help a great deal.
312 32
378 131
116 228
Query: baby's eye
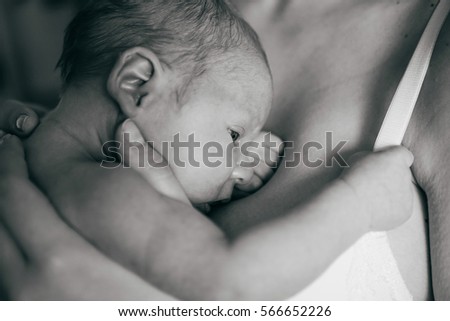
234 135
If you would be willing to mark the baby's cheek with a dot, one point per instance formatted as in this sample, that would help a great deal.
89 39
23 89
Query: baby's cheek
202 183
202 172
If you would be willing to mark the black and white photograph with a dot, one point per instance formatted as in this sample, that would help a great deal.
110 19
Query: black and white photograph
290 151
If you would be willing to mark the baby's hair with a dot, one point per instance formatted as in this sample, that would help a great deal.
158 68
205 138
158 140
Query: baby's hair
183 33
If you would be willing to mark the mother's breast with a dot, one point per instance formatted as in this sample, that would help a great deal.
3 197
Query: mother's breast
409 242
428 137
336 71
346 112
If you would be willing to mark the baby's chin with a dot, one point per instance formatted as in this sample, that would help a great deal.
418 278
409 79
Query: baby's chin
203 204
205 194
206 199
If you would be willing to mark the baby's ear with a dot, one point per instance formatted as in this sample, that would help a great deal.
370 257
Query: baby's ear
133 77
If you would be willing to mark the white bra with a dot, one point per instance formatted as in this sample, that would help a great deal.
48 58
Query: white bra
368 270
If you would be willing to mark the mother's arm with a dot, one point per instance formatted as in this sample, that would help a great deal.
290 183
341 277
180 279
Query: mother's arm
41 257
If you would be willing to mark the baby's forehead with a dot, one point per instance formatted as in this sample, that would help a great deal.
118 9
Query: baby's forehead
238 90
248 94
254 91
248 83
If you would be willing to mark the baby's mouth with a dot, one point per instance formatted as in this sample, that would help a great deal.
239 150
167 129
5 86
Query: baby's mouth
206 207
220 202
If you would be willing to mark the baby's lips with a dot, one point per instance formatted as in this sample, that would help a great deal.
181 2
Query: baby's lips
204 207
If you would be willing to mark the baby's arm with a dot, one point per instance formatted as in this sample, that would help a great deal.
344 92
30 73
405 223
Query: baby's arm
180 251
161 240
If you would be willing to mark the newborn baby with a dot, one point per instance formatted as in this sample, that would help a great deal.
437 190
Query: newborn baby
169 70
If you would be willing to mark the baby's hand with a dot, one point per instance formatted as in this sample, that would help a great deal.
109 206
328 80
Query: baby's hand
268 151
382 181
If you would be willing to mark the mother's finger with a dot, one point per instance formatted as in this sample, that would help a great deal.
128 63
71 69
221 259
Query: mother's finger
24 211
12 157
30 219
17 118
11 263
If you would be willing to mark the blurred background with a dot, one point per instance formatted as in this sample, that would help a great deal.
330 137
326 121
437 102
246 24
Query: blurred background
31 39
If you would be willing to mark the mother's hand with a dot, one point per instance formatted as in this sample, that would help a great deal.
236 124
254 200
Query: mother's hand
18 118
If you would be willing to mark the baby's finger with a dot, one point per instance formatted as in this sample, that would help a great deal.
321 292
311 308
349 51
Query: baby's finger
12 157
271 159
272 147
17 118
263 171
399 153
254 184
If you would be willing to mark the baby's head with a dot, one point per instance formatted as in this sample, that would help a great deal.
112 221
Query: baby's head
177 67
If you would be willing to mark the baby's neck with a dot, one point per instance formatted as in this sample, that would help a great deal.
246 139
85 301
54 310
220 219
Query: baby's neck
87 118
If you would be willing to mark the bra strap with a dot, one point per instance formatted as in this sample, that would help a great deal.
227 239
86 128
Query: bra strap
402 106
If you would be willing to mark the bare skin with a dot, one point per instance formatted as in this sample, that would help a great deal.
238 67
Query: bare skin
325 210
342 81
44 259
321 79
